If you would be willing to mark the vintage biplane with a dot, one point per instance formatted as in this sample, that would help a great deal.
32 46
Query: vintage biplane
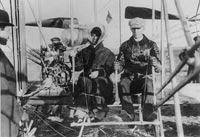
58 75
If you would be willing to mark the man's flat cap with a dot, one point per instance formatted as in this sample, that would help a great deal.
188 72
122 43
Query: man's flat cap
137 22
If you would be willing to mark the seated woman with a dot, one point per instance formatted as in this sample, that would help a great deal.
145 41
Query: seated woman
94 88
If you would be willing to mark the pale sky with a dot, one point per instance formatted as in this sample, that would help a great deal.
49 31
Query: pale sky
84 11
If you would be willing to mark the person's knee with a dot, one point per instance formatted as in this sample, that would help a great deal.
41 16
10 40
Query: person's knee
124 88
105 89
125 82
84 85
148 112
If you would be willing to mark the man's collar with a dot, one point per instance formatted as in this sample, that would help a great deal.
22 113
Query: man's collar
139 39
141 42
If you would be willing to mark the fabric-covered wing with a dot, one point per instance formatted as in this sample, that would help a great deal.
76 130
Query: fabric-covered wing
146 13
55 22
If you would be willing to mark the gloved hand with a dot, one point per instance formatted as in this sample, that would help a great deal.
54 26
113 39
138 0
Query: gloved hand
155 63
94 74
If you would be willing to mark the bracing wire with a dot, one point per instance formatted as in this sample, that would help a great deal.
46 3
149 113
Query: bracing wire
45 122
197 8
104 6
37 23
62 125
196 15
12 31
2 5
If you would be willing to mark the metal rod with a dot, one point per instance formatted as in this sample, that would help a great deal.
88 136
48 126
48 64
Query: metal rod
172 68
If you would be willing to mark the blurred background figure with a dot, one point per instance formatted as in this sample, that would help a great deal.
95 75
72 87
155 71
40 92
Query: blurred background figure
11 111
192 61
57 44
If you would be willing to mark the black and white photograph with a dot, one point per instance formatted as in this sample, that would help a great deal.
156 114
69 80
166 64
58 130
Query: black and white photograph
100 68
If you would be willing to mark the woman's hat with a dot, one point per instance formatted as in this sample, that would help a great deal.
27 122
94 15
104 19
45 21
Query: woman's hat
97 31
55 39
4 19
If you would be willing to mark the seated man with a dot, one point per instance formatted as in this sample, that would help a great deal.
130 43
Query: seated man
94 86
136 58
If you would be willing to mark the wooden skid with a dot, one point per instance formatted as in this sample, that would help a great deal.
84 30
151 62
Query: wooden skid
115 123
50 100
119 105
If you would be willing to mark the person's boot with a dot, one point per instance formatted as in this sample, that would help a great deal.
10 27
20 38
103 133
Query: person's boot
148 113
132 117
150 129
101 112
